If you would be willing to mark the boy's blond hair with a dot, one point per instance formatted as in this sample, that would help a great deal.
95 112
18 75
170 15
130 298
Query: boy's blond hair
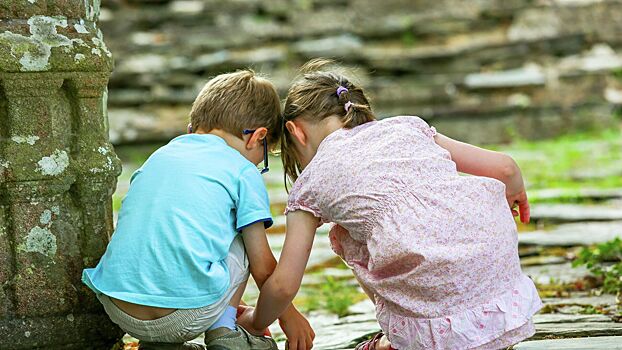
236 101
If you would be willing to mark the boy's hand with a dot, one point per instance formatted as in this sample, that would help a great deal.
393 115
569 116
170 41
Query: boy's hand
297 329
245 319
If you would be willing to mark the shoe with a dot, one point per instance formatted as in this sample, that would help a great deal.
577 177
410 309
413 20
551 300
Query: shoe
371 343
225 339
169 346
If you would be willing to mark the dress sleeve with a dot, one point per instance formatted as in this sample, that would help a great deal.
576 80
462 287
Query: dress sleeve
303 197
418 124
252 204
421 124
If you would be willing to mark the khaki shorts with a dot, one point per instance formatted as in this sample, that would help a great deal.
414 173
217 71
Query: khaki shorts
184 324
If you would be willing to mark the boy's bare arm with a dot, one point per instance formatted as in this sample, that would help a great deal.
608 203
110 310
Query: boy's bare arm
482 162
260 257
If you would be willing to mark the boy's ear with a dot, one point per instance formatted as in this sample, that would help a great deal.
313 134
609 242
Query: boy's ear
256 138
297 132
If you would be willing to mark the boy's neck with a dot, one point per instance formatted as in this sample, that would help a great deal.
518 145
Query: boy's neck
234 142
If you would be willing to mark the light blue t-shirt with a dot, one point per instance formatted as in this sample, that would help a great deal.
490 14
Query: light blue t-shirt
184 207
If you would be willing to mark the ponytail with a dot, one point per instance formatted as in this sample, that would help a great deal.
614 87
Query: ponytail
320 92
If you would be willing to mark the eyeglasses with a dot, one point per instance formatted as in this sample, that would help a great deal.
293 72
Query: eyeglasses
265 150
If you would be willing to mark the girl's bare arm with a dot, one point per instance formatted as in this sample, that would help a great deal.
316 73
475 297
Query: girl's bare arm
280 288
482 162
262 265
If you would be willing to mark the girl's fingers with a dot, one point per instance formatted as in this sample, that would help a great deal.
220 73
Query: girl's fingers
524 212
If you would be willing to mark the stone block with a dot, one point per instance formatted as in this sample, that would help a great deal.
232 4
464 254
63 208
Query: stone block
57 174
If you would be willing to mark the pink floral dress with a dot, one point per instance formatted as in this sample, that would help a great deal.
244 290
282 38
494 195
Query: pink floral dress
438 250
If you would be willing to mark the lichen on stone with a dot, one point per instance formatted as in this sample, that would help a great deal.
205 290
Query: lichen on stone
80 27
92 9
46 217
53 164
39 240
31 140
35 50
78 57
98 41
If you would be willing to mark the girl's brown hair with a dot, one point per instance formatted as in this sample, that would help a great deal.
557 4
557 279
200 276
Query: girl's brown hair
313 97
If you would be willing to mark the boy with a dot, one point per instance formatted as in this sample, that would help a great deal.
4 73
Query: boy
177 265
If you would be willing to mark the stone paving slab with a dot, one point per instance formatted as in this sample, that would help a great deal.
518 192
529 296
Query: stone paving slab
575 234
583 300
591 343
552 194
577 329
558 273
575 212
563 318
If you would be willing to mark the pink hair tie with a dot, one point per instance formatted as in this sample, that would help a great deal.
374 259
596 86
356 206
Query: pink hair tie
347 106
341 90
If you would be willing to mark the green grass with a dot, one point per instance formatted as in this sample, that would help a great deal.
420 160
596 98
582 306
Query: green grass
334 295
556 163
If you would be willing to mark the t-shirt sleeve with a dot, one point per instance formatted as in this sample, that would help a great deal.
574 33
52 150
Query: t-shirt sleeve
252 204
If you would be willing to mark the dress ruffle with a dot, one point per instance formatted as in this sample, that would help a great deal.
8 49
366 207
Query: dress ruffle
465 330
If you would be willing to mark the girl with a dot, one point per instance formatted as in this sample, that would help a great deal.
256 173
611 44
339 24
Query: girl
435 251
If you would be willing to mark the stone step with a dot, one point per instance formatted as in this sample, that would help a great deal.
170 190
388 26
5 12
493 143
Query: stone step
562 318
586 194
582 300
555 274
577 330
576 212
575 234
590 343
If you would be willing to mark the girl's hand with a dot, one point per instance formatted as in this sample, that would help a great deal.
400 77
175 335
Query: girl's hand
245 320
517 199
297 329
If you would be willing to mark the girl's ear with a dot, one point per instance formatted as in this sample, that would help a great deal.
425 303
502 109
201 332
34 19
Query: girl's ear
297 132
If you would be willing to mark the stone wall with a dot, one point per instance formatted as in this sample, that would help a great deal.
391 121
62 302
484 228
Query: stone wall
57 174
480 70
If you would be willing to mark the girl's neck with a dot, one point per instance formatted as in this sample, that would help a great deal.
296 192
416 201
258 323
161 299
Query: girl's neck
323 129
316 133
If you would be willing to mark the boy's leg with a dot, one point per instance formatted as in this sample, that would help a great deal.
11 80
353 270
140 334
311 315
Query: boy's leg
227 319
165 333
186 324
236 338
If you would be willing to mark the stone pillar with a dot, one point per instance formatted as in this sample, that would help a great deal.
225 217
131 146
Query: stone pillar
57 174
